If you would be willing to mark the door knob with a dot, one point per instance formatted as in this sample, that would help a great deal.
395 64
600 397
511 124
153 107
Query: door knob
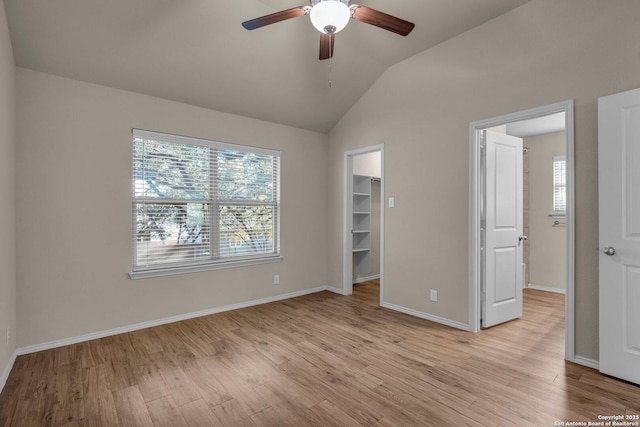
521 238
609 250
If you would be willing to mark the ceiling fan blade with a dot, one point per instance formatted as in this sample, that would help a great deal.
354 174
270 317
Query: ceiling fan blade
381 19
327 42
294 12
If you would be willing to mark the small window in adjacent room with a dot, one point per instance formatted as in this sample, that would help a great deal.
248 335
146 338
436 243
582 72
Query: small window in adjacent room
559 186
200 205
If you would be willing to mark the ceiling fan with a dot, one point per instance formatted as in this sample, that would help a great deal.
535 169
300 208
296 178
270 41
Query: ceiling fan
331 16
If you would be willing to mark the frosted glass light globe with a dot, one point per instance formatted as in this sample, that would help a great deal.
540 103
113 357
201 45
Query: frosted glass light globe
330 14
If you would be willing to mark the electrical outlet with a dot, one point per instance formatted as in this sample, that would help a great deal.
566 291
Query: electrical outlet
276 279
434 295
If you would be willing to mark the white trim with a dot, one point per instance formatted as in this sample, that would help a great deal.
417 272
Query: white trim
145 274
382 222
427 316
7 370
137 326
181 139
347 223
546 288
366 279
589 363
570 351
335 290
474 213
347 256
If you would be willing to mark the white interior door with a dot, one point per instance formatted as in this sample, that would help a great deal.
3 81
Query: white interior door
619 224
503 239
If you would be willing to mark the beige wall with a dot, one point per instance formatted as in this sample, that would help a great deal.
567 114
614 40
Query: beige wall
547 243
7 195
543 52
74 210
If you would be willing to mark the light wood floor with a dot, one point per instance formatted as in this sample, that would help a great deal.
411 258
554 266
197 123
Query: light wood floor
323 360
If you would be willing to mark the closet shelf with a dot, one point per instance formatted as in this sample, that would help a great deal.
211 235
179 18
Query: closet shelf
361 226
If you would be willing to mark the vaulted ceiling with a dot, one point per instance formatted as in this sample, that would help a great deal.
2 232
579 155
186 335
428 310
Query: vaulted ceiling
196 51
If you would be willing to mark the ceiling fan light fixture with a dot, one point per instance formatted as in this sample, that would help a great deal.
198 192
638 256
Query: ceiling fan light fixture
330 16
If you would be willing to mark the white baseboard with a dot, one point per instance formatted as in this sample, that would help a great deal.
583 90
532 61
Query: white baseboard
436 319
339 291
589 363
366 279
7 370
547 289
164 321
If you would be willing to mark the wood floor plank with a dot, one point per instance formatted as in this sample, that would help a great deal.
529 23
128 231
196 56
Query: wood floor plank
232 413
69 394
320 359
336 414
241 391
149 379
98 405
181 387
203 376
131 408
283 388
198 413
165 413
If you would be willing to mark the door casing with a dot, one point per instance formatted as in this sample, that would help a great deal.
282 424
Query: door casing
475 172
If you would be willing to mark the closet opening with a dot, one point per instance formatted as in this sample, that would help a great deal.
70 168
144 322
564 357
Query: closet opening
364 218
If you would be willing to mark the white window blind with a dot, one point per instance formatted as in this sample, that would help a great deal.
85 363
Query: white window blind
559 185
202 203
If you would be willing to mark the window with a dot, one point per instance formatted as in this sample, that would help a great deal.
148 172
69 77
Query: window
201 204
559 186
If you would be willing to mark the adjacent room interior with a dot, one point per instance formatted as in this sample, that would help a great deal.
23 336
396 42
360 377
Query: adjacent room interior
207 220
544 243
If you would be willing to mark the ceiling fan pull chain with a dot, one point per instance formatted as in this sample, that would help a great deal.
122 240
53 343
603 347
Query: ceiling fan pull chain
330 59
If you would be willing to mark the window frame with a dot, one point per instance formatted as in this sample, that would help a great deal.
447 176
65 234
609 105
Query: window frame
215 261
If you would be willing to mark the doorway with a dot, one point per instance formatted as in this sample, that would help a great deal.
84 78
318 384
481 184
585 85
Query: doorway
363 235
558 223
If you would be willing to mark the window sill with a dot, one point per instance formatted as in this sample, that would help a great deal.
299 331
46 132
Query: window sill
144 274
